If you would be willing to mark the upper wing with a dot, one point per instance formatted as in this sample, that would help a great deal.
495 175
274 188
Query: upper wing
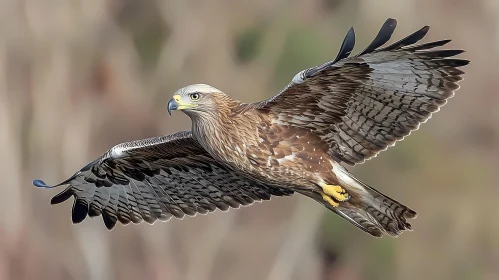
154 179
363 104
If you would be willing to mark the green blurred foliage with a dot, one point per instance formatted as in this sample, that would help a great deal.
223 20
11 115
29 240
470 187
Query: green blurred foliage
302 49
248 43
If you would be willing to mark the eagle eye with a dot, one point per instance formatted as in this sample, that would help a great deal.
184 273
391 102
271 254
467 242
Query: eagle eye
194 96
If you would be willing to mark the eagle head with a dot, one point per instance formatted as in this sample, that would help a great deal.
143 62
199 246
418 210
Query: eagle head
195 99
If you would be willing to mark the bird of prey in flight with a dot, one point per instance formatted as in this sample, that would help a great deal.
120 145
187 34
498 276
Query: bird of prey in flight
340 113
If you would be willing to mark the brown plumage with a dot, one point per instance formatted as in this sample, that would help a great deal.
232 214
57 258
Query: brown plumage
342 112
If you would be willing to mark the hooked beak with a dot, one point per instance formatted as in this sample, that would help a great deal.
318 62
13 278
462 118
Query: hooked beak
172 105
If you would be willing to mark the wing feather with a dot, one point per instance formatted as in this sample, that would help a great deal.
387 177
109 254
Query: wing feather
347 46
384 35
362 105
155 179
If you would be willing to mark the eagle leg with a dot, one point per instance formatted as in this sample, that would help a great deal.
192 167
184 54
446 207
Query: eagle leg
336 192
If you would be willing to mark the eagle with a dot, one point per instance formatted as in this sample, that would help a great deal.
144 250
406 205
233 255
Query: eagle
340 113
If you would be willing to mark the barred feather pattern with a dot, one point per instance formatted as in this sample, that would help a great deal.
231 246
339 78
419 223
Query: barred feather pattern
363 104
157 179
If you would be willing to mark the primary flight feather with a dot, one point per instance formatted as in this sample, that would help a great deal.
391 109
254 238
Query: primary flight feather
342 112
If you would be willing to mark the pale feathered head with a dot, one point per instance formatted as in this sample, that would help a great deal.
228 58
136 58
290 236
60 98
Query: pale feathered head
196 100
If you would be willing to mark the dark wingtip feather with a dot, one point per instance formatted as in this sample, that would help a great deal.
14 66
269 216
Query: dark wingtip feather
80 211
462 62
109 221
62 196
440 53
451 62
409 40
384 34
347 46
426 46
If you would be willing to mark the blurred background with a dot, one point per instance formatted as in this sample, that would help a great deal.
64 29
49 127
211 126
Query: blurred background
78 77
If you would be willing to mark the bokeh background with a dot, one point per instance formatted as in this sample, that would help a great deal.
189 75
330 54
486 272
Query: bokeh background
78 77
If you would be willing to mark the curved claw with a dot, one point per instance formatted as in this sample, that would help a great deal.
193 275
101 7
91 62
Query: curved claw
348 196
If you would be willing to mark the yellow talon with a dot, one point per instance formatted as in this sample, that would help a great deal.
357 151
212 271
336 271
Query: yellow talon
330 200
337 192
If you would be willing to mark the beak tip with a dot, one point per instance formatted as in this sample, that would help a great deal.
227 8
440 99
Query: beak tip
172 105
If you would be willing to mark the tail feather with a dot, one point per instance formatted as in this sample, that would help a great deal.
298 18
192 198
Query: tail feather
372 208
359 220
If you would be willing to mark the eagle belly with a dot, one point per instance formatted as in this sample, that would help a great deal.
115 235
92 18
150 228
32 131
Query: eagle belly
285 156
296 156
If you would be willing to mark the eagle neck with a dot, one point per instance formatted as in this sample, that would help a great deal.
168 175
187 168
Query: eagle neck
219 132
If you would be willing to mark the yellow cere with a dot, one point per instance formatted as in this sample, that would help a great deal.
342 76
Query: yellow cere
181 104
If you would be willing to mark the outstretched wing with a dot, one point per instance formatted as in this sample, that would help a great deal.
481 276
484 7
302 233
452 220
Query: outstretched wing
363 104
155 179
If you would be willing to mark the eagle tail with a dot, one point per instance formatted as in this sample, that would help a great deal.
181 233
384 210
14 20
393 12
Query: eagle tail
370 210
367 209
